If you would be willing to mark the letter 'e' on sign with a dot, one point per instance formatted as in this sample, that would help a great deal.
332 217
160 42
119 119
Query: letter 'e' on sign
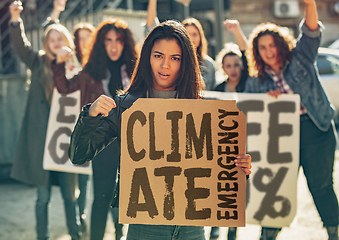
64 112
177 163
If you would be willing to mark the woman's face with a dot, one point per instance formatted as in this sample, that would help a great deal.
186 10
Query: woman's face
56 41
114 45
194 34
232 66
268 51
165 62
84 37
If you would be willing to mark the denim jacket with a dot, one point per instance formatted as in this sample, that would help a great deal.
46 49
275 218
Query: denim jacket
301 74
207 69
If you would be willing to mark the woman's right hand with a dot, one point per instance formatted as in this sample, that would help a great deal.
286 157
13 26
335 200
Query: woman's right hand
59 5
15 9
64 54
232 25
102 105
274 93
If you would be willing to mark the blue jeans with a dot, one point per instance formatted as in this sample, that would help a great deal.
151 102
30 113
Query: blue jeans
317 155
83 186
42 204
170 232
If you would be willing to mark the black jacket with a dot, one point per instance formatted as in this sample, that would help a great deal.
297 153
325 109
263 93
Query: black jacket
93 134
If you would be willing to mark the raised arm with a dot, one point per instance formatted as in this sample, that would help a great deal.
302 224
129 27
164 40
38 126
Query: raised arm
15 10
91 133
151 13
233 26
311 15
20 43
58 7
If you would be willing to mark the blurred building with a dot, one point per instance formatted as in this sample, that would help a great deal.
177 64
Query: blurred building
287 13
249 13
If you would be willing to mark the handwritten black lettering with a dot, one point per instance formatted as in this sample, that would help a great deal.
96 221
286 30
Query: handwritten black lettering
252 127
65 101
192 193
277 130
140 180
191 136
137 115
174 116
168 173
52 146
271 189
153 154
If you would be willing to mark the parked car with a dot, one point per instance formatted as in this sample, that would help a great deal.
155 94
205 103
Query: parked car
328 65
334 45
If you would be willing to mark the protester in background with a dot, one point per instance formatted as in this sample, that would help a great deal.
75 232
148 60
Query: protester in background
233 62
282 67
206 63
108 66
82 33
167 51
28 163
58 7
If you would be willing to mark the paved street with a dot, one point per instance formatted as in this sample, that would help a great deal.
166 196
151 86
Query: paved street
17 221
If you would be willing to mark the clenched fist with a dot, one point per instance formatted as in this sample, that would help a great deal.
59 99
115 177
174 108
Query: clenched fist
102 105
15 9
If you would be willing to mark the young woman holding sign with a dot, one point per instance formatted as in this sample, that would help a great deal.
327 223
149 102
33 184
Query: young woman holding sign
167 68
108 65
28 163
282 67
82 33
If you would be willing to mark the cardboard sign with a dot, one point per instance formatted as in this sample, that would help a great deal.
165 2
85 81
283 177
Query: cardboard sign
63 115
177 163
273 143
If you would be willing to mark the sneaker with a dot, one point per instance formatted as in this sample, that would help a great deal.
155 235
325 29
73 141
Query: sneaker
214 233
269 233
232 233
83 226
332 233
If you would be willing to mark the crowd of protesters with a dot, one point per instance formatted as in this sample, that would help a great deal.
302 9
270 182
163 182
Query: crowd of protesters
105 64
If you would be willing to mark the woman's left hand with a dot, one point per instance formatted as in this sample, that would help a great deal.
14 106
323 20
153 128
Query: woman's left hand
245 162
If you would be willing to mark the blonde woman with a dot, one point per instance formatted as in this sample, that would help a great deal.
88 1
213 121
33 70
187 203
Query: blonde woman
206 63
28 167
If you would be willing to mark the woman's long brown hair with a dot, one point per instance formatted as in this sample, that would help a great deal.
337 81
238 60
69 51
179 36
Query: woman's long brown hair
283 41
